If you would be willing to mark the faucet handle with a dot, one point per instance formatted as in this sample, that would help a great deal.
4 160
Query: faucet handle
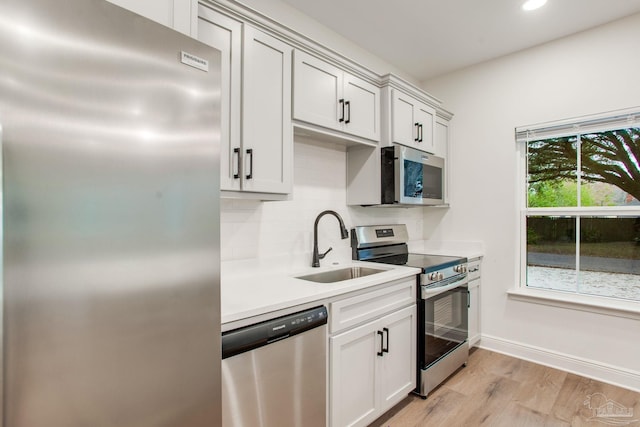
321 256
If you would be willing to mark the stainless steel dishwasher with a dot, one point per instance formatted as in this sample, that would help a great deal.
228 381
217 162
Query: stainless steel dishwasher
274 372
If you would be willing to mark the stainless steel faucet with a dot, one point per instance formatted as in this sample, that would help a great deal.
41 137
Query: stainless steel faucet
343 233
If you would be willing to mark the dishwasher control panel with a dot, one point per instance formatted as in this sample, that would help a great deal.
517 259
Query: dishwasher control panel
254 336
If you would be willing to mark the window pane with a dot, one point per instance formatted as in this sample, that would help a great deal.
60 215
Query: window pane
551 253
610 257
610 170
552 172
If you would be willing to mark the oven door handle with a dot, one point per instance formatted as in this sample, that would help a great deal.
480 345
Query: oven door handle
430 292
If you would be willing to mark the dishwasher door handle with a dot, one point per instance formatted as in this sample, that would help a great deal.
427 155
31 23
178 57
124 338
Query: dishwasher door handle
276 339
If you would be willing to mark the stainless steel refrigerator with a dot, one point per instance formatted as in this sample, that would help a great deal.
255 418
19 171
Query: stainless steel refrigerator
110 219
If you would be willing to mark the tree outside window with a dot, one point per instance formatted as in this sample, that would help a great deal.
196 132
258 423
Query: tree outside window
583 214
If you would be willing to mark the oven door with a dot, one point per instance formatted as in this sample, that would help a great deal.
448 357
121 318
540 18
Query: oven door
444 324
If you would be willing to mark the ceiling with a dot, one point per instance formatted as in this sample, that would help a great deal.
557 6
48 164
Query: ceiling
426 38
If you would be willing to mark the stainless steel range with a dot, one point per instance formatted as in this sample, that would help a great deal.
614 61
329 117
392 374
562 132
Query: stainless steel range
442 299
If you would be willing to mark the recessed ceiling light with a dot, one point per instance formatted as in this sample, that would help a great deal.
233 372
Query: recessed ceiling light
533 4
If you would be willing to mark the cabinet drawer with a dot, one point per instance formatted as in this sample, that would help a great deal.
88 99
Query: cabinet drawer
473 269
364 307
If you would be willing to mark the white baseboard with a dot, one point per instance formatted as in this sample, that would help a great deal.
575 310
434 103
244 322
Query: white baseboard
621 377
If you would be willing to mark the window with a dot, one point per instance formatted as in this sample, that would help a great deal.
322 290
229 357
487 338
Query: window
581 212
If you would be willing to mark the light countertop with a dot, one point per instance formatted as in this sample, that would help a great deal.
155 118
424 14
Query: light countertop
254 288
250 289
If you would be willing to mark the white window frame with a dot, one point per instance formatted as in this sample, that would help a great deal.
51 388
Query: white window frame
557 298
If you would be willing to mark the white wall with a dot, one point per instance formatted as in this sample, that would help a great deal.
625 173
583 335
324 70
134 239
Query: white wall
591 72
297 21
254 229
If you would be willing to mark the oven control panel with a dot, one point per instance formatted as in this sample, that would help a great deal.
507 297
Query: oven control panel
462 268
435 276
444 276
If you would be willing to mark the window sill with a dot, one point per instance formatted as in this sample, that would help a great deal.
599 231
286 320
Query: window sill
592 304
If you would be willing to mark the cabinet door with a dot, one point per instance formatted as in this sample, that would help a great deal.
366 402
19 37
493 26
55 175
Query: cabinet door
160 11
441 148
225 34
404 128
317 91
398 365
441 144
425 117
362 116
267 132
352 376
474 312
176 14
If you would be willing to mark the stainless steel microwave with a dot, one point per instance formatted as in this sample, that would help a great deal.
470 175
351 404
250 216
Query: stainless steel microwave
411 177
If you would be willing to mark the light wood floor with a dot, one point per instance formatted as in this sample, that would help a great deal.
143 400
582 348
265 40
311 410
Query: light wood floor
502 391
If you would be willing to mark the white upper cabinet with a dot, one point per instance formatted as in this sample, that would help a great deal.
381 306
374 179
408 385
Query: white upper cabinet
181 15
256 155
441 145
225 34
326 96
412 122
362 104
267 131
317 89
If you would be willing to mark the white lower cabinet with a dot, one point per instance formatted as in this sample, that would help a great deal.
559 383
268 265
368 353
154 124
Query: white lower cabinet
474 312
474 301
373 366
397 365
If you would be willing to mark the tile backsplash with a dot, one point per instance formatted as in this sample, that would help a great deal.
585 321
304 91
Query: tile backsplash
253 229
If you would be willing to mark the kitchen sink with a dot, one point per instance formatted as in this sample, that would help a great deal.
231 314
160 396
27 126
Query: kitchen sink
333 276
